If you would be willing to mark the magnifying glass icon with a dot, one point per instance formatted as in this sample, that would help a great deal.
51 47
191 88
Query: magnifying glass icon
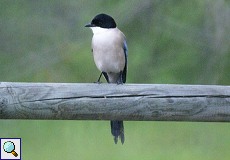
9 147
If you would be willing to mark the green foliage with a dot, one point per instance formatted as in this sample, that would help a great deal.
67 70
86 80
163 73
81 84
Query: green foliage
169 41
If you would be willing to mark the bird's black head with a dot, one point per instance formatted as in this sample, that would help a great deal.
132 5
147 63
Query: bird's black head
103 21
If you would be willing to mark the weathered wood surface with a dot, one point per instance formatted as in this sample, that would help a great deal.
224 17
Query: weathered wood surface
110 101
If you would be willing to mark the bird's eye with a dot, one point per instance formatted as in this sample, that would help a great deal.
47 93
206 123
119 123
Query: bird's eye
97 22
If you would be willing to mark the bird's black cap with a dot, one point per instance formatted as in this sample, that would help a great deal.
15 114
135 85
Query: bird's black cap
102 20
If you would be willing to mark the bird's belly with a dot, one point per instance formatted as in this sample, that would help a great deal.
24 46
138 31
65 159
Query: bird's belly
109 60
108 52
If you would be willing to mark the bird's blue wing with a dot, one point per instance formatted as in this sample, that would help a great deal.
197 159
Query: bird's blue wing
125 47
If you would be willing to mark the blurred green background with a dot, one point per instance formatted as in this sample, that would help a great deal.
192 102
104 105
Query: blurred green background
170 41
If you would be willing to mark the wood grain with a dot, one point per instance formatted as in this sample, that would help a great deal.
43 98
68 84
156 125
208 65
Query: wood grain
151 102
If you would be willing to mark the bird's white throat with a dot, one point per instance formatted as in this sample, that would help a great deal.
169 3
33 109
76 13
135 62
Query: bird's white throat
99 30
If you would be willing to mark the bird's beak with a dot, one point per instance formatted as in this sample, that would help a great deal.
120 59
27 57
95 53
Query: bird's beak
89 25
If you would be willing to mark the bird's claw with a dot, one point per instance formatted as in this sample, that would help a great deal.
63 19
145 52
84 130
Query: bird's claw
97 82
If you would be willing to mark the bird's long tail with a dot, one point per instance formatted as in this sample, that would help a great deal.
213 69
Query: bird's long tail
117 130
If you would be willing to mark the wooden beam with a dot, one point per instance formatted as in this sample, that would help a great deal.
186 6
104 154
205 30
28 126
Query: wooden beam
159 102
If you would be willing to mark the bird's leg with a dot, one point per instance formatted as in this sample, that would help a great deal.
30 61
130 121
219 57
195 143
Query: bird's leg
98 81
106 76
120 80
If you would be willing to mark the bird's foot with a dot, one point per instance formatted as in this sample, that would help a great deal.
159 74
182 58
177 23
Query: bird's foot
119 82
97 82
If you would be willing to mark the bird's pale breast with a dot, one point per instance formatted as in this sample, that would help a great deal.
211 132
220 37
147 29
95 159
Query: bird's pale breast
108 50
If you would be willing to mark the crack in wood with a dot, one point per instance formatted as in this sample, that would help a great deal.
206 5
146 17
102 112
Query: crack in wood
126 96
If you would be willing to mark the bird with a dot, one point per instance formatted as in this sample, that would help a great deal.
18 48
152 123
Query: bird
110 52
